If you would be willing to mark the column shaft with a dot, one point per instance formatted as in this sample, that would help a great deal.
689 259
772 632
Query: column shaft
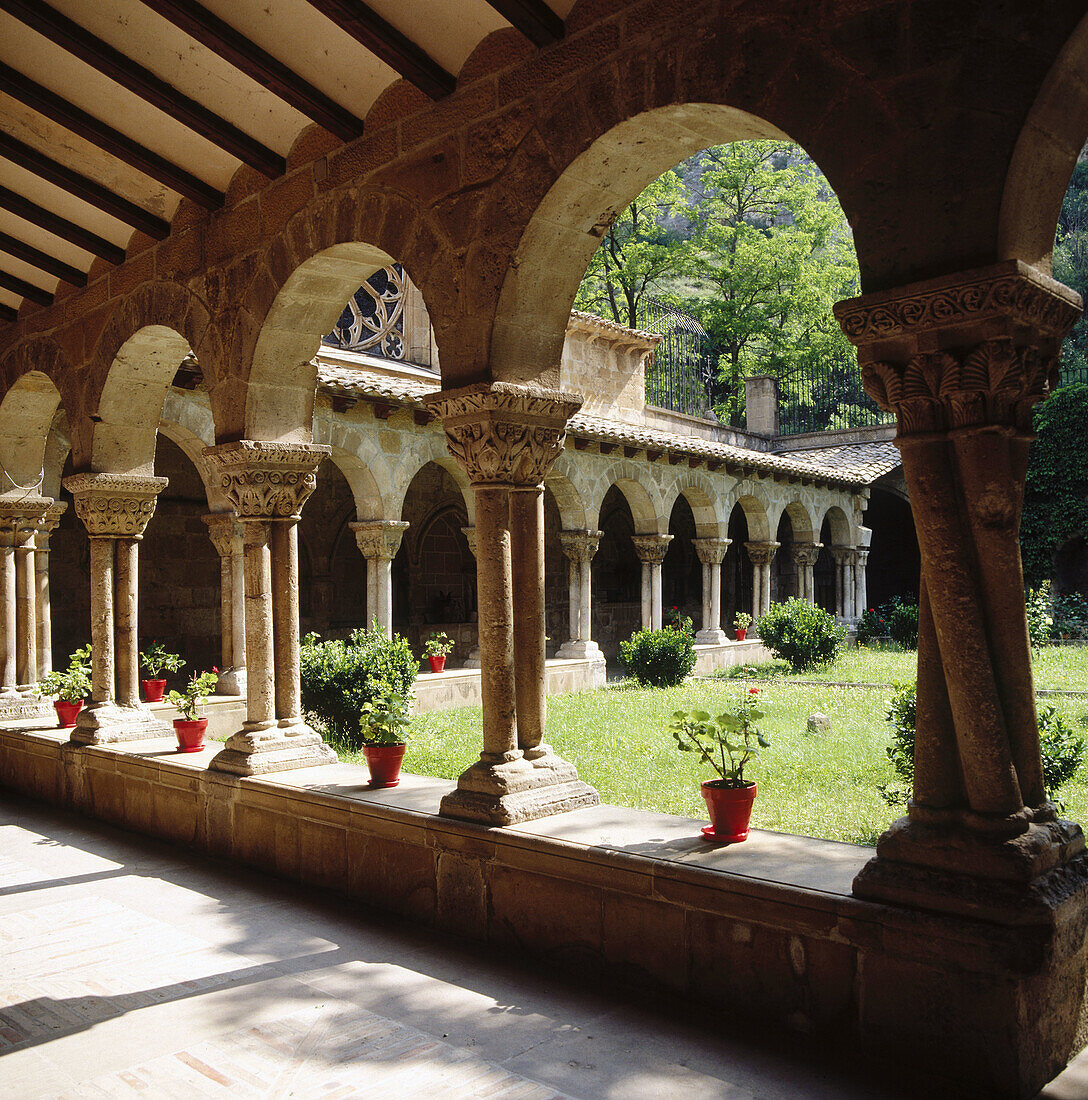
126 594
238 604
655 593
647 596
102 663
226 610
260 653
26 629
285 628
527 563
44 646
574 612
8 615
585 601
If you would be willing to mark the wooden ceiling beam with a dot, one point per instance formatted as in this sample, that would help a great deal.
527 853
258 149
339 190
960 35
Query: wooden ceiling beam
119 145
126 72
8 314
389 45
233 46
533 18
41 260
60 227
25 289
90 192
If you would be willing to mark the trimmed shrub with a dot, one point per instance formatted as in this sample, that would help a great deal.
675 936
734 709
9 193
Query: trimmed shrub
804 635
338 677
1062 748
659 658
895 619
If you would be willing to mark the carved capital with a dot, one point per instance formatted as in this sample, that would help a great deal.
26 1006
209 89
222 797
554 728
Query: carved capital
580 546
379 539
504 434
805 553
225 532
711 551
860 558
265 480
20 518
761 553
114 505
48 524
651 549
841 555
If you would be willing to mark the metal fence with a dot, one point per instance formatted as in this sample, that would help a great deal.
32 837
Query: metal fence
825 397
1071 372
683 375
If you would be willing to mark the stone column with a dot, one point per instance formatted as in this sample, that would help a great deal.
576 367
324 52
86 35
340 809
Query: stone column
804 555
506 437
378 541
651 551
961 360
42 599
861 557
711 554
580 548
19 521
761 554
267 485
473 659
225 532
843 557
115 509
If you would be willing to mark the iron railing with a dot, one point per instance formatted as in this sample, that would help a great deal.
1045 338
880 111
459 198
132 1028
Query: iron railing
825 397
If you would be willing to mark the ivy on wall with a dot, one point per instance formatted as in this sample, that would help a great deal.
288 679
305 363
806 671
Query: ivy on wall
1056 493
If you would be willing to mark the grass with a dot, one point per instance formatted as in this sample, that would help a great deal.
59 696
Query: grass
816 785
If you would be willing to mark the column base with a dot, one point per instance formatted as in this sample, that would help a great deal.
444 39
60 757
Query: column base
952 869
24 705
580 650
517 790
105 723
473 660
232 681
261 749
711 637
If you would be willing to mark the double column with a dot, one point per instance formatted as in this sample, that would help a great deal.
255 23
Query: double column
711 555
506 437
42 598
961 361
580 548
115 509
804 555
226 535
267 485
378 541
761 554
651 551
845 558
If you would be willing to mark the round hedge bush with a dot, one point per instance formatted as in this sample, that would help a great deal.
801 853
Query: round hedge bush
659 658
801 634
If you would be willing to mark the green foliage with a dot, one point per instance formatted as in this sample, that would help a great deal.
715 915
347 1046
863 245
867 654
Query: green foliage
156 658
384 719
895 619
659 658
742 620
1037 603
1056 490
1070 265
196 693
1062 748
1070 617
727 742
438 644
72 684
804 635
902 713
338 677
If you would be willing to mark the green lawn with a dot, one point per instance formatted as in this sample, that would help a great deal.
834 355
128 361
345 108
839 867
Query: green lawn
822 786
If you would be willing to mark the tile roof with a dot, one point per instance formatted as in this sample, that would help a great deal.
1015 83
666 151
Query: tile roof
864 462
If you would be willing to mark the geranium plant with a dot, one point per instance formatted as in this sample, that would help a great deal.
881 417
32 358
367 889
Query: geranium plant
742 620
727 742
74 683
439 644
156 659
195 694
383 719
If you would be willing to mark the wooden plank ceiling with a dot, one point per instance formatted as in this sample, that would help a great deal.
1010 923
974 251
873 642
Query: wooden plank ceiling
111 111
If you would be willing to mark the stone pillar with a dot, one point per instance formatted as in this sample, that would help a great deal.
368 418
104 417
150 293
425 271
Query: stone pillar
580 548
267 485
761 554
506 437
379 541
711 554
961 360
861 558
226 534
651 551
115 509
843 557
473 659
804 555
42 599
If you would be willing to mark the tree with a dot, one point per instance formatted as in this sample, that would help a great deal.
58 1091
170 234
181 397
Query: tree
1070 265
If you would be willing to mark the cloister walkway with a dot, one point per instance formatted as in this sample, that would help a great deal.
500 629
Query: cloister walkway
129 966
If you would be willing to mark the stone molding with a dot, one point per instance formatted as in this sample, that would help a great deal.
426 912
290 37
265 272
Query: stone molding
761 553
114 505
379 539
264 480
651 549
502 433
580 546
711 551
805 553
50 521
225 532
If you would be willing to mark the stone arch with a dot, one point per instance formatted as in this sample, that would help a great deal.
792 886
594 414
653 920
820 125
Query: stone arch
191 445
801 520
365 466
572 511
437 453
842 533
756 511
26 415
368 498
642 496
705 504
58 446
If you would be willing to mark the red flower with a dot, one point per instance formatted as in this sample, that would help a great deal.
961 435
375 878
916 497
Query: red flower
215 670
753 691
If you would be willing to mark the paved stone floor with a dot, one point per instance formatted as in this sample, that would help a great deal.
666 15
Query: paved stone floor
128 967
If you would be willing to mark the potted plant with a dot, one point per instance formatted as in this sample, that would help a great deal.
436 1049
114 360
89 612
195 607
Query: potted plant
189 728
382 722
69 687
156 660
436 649
726 743
741 621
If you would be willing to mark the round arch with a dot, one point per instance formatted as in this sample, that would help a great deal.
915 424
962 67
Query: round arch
572 511
801 520
26 416
705 504
440 456
839 526
756 513
191 445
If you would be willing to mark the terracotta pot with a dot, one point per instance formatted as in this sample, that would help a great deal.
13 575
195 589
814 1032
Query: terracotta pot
438 663
190 733
153 690
741 632
66 712
730 809
384 764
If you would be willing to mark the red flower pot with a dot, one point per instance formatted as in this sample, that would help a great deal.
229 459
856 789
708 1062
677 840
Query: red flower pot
741 632
190 733
66 712
438 663
384 764
730 809
153 690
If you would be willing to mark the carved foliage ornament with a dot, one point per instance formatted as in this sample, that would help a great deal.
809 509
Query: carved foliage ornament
580 546
711 551
805 553
266 480
761 553
225 532
379 540
651 549
114 505
20 518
